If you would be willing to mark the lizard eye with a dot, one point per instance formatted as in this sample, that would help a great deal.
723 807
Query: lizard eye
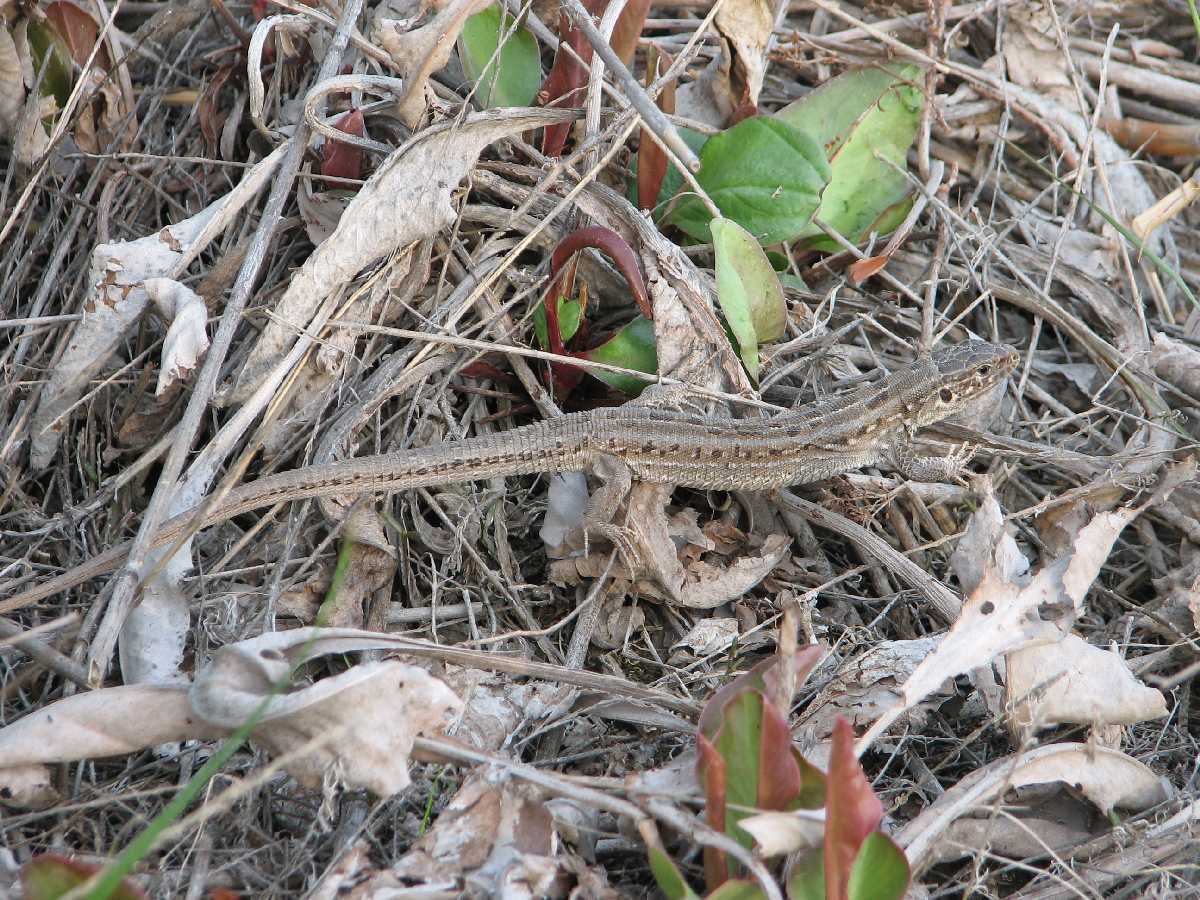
984 370
946 394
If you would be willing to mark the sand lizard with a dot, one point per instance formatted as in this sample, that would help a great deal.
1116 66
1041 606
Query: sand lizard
871 425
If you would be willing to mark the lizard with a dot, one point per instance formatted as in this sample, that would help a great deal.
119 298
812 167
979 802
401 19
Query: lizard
871 425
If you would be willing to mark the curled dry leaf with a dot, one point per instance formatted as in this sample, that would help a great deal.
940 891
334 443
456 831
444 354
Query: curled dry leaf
986 545
864 688
406 199
1001 616
1086 685
368 715
708 587
709 636
747 25
187 336
1034 58
117 297
777 833
422 51
27 787
1107 778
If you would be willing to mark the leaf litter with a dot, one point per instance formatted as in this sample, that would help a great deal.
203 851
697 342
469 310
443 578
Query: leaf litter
530 722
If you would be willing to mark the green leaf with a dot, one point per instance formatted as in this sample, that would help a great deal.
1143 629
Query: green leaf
669 879
515 81
856 118
632 347
880 871
764 174
50 876
737 889
59 78
570 314
747 289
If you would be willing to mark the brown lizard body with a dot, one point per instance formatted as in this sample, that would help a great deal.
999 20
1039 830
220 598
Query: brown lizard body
868 426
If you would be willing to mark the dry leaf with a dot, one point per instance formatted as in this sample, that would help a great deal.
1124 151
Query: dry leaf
12 84
1033 57
777 833
987 544
187 335
116 299
1000 616
709 636
369 714
747 25
1177 363
406 199
500 838
708 587
27 787
1108 778
422 51
1087 685
866 687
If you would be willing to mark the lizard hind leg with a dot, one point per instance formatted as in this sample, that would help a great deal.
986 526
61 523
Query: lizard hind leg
599 518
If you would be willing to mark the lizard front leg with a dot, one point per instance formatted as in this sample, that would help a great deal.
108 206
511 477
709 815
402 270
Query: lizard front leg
901 454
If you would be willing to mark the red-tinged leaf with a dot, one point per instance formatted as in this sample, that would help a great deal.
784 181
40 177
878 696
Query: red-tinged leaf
652 160
339 160
779 776
223 894
77 29
628 30
764 678
565 82
50 876
712 770
258 9
862 269
481 369
880 870
615 248
852 811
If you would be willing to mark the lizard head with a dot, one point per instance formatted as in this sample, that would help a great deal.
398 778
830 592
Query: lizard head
962 373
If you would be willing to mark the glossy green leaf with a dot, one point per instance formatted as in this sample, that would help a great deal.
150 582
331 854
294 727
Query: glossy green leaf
747 289
632 347
880 871
518 75
857 118
570 314
764 174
